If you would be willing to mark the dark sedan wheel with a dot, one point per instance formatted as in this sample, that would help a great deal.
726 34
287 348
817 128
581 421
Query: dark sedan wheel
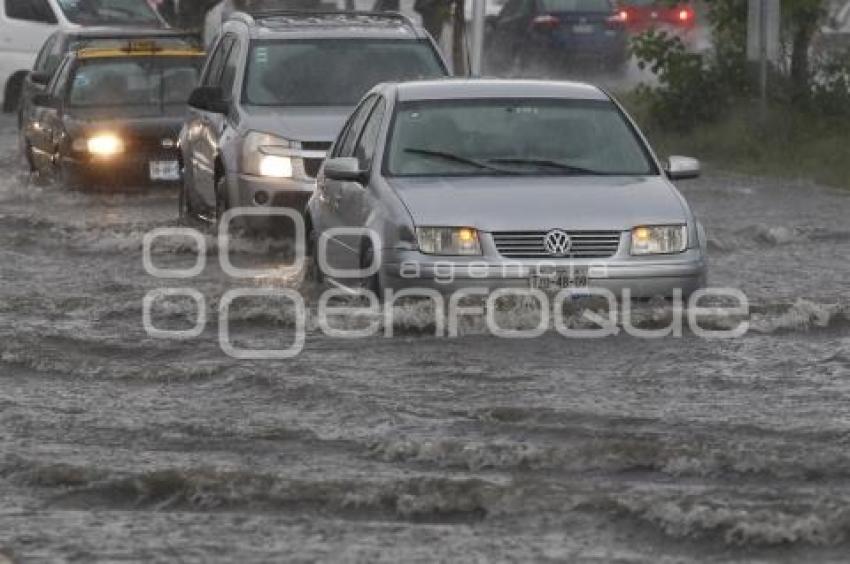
221 201
29 158
185 208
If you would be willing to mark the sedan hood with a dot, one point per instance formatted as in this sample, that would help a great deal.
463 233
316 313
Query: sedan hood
128 126
298 124
541 203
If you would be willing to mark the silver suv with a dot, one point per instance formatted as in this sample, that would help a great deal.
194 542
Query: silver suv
277 88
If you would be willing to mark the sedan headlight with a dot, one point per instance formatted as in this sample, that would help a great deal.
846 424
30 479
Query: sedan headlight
266 155
102 145
659 240
457 241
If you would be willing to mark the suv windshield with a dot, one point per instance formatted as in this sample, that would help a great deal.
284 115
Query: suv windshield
522 137
155 82
332 72
111 12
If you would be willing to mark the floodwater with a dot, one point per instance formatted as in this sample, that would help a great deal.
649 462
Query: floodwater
116 446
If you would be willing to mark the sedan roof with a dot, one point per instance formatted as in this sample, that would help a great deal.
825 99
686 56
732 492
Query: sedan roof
465 89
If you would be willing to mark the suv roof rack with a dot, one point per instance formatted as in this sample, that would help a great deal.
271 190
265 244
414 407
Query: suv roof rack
250 17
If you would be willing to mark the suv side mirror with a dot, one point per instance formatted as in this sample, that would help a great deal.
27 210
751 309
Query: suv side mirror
44 100
345 169
39 78
209 99
682 168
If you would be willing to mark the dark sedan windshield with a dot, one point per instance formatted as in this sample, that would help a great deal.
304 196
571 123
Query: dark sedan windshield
109 12
522 137
332 72
155 82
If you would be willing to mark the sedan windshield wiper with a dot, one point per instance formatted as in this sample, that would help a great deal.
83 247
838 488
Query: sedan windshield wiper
458 159
551 164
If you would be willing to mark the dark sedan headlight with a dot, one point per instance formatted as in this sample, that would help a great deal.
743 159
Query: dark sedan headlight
100 145
659 240
450 241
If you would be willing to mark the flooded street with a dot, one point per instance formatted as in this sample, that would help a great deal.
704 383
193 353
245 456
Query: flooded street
115 446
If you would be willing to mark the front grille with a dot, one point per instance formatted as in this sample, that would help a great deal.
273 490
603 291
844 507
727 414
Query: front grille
312 166
529 244
316 145
152 147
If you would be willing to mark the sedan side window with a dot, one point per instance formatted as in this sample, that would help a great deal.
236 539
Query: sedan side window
57 86
365 150
41 60
54 58
346 148
37 11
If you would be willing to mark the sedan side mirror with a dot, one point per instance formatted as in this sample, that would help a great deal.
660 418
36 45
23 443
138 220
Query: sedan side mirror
39 78
43 100
209 99
345 169
682 168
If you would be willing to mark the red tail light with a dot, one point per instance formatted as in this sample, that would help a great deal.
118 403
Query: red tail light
621 17
545 23
685 15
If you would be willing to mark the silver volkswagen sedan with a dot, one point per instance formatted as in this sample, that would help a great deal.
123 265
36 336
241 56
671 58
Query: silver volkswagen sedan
458 184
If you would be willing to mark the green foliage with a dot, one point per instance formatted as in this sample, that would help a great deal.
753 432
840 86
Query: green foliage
697 88
692 87
830 90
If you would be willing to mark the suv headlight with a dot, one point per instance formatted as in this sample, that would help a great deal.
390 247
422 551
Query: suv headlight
457 241
267 155
659 239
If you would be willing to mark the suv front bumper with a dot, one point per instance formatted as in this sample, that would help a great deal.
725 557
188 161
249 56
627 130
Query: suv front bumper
259 192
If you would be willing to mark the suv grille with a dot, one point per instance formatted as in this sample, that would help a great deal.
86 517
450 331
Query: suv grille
529 244
312 166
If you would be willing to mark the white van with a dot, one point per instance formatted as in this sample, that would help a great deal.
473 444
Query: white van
26 24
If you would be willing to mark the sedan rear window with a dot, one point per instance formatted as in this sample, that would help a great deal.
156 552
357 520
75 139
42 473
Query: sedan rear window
577 5
515 137
332 72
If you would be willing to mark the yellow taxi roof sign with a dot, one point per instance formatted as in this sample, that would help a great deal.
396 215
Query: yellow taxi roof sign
139 49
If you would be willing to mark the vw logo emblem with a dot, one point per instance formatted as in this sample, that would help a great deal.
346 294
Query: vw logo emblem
557 243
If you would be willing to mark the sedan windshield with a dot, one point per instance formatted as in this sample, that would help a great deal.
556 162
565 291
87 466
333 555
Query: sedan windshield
109 12
155 82
333 72
518 137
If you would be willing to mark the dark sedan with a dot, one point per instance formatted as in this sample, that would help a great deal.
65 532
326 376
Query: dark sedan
112 116
560 32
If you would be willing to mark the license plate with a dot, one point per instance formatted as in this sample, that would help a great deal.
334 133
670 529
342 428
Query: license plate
583 29
164 170
553 282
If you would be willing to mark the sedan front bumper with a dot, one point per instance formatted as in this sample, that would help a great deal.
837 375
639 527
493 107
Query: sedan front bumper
119 171
644 277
